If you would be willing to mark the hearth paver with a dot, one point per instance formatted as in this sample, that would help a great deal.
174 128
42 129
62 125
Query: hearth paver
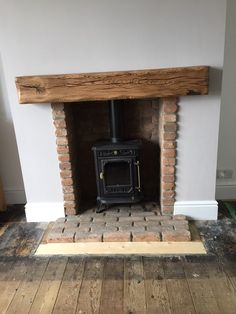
137 223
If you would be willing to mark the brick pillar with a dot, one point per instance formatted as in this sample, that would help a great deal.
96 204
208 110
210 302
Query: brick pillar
63 141
167 137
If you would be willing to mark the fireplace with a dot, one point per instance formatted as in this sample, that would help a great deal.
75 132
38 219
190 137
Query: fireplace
69 93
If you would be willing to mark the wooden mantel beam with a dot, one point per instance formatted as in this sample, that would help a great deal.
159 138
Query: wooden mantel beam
113 85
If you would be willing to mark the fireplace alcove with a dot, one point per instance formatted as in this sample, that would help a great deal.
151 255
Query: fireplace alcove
73 92
88 124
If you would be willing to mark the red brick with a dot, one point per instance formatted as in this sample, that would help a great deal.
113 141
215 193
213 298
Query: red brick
169 117
88 237
169 136
168 162
157 218
169 153
170 127
60 123
169 144
179 217
70 211
62 140
66 173
96 228
131 219
60 132
65 165
58 227
60 220
181 227
176 236
145 236
84 218
58 114
168 202
69 204
170 105
67 181
57 107
63 149
167 210
168 186
116 236
104 219
141 223
173 222
142 214
69 197
71 224
168 194
68 189
168 178
82 229
60 237
168 170
64 157
154 228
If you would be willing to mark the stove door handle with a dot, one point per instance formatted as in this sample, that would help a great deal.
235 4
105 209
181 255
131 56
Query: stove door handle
101 175
139 181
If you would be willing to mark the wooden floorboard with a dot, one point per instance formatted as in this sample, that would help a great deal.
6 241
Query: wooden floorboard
177 286
28 287
70 287
157 298
200 288
49 286
112 294
90 292
134 288
13 272
222 288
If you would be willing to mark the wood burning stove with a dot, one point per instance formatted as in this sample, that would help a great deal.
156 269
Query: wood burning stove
117 164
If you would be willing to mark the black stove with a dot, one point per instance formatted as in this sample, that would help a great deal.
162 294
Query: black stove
117 164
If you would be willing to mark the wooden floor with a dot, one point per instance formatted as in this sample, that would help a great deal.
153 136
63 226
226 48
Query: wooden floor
116 285
130 284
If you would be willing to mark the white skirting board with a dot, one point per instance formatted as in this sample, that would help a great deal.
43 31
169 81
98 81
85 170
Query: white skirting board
121 248
44 212
197 210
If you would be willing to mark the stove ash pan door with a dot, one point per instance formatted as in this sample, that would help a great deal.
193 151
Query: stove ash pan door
119 177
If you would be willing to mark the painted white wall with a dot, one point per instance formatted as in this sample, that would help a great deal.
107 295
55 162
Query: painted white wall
226 189
10 171
59 36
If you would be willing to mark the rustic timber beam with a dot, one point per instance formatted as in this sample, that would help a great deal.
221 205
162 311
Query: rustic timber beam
113 85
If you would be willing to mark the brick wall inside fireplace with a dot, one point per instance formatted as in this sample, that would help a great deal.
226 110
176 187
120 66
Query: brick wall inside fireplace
80 125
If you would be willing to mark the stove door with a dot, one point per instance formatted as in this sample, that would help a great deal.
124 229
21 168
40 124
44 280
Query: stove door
118 176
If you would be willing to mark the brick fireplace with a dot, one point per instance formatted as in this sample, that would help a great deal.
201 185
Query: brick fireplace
80 118
79 126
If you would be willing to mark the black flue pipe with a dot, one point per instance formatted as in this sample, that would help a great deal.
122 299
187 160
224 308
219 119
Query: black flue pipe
115 120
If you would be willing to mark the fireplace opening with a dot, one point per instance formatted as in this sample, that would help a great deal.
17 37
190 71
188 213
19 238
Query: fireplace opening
138 165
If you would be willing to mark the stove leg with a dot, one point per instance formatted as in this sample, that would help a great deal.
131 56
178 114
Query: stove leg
101 207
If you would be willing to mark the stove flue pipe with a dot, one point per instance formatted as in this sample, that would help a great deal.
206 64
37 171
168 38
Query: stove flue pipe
115 120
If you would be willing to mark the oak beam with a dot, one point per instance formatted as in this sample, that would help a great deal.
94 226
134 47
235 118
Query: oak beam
113 85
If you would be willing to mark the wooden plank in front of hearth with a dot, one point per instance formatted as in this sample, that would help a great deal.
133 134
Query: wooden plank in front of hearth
122 248
138 84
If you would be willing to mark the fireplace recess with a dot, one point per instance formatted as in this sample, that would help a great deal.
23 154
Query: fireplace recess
117 164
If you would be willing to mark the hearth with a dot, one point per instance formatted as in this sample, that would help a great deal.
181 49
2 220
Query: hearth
117 164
